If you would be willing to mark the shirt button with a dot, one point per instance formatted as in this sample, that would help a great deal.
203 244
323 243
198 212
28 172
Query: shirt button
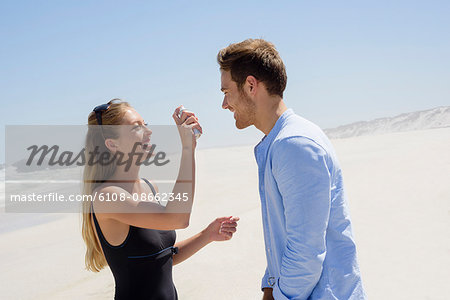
271 281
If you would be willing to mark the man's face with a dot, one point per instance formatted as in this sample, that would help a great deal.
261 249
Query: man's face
236 101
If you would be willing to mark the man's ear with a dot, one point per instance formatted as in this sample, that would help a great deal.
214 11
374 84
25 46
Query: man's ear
111 145
251 83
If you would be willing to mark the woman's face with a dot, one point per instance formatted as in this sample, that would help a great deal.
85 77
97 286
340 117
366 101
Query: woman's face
135 131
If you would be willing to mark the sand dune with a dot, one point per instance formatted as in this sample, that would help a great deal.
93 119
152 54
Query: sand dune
399 200
438 117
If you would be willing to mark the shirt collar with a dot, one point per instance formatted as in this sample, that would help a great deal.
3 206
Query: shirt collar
268 139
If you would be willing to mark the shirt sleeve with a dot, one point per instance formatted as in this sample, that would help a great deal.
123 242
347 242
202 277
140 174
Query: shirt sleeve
265 280
299 166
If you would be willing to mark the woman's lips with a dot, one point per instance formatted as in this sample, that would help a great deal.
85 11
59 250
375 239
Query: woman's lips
145 143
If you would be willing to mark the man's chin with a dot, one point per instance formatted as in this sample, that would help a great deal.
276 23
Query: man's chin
241 126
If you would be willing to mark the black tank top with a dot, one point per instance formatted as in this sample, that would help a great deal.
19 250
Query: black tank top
142 264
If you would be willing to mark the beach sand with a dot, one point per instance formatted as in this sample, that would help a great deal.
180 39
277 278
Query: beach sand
399 197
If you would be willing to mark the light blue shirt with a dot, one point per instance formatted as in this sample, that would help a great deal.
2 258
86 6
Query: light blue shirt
309 242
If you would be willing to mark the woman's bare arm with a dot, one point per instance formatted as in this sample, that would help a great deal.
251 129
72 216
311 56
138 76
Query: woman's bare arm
221 229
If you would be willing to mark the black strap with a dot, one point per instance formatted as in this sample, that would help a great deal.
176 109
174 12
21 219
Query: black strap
150 185
97 225
169 250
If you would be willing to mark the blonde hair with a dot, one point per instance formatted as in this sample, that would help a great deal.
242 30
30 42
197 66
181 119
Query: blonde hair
95 137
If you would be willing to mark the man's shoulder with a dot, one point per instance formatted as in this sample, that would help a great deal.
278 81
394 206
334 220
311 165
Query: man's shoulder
300 132
296 147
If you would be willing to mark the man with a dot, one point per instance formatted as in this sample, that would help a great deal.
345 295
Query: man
310 249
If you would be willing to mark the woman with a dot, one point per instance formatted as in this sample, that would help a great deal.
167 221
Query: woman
137 238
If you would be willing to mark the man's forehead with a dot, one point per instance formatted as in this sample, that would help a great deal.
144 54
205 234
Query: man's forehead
225 79
225 74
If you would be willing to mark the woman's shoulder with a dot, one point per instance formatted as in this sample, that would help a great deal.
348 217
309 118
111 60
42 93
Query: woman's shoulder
108 188
105 198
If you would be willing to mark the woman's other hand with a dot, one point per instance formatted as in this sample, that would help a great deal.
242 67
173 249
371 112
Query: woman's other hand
222 229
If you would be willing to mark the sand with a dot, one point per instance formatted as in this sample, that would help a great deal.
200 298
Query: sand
399 197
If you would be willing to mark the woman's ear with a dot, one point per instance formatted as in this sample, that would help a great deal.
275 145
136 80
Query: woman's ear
111 145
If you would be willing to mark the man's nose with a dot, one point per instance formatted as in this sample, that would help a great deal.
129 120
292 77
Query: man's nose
224 103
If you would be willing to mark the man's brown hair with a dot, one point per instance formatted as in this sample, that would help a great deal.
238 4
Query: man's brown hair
258 58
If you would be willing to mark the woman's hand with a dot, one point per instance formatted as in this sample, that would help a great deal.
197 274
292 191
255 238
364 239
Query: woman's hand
186 124
221 229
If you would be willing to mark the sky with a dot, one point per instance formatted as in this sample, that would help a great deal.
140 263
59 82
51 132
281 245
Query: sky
346 61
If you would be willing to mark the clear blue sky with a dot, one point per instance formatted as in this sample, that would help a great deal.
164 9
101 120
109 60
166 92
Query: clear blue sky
346 60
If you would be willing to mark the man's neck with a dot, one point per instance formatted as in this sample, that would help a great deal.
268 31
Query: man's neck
269 114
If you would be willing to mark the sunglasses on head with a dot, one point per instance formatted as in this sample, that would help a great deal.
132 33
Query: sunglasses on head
99 109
